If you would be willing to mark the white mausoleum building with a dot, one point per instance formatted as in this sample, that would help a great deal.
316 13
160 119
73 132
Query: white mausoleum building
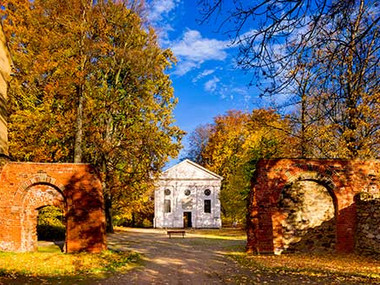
187 195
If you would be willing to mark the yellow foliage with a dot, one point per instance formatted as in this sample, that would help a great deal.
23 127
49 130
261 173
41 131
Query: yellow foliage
235 142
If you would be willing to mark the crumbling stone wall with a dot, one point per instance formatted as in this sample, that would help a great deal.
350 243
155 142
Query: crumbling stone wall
368 223
271 220
26 187
309 223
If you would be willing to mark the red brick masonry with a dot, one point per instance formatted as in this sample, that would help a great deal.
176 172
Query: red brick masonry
342 178
26 187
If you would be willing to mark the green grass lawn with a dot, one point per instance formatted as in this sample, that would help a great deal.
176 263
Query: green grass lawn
351 266
51 248
224 233
50 262
311 264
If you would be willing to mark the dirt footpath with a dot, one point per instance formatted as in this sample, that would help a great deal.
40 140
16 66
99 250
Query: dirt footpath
189 260
195 259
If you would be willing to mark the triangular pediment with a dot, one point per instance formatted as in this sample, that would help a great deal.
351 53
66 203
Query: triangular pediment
188 170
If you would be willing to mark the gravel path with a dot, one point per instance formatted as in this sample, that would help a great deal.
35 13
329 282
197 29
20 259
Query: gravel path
189 260
196 260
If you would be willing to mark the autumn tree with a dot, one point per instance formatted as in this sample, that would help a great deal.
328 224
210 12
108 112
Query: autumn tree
346 74
90 86
236 141
133 135
198 140
318 54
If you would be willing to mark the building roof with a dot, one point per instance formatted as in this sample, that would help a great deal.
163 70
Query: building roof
189 170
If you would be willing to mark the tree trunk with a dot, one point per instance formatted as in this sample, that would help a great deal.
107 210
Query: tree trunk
133 220
80 94
303 126
351 91
108 213
79 128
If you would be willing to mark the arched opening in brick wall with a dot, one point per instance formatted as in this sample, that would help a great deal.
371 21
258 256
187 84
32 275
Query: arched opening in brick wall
51 228
37 196
27 187
309 216
341 179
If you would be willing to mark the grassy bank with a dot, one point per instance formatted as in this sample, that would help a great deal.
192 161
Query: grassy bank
340 267
49 262
224 233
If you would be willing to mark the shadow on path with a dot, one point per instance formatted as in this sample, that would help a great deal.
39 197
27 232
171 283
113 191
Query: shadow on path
196 259
189 260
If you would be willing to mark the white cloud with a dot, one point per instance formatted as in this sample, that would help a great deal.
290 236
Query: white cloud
245 38
192 50
158 9
160 14
241 92
211 85
194 47
184 67
203 74
163 33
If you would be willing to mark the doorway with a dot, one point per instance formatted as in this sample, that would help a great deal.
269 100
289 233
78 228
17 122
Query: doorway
51 229
187 223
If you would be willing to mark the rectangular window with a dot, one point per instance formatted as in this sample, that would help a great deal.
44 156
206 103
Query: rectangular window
207 206
167 206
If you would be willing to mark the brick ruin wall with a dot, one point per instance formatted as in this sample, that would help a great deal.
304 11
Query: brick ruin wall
368 224
310 205
26 187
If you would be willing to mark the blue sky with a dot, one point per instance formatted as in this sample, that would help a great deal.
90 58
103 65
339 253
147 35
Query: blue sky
205 79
